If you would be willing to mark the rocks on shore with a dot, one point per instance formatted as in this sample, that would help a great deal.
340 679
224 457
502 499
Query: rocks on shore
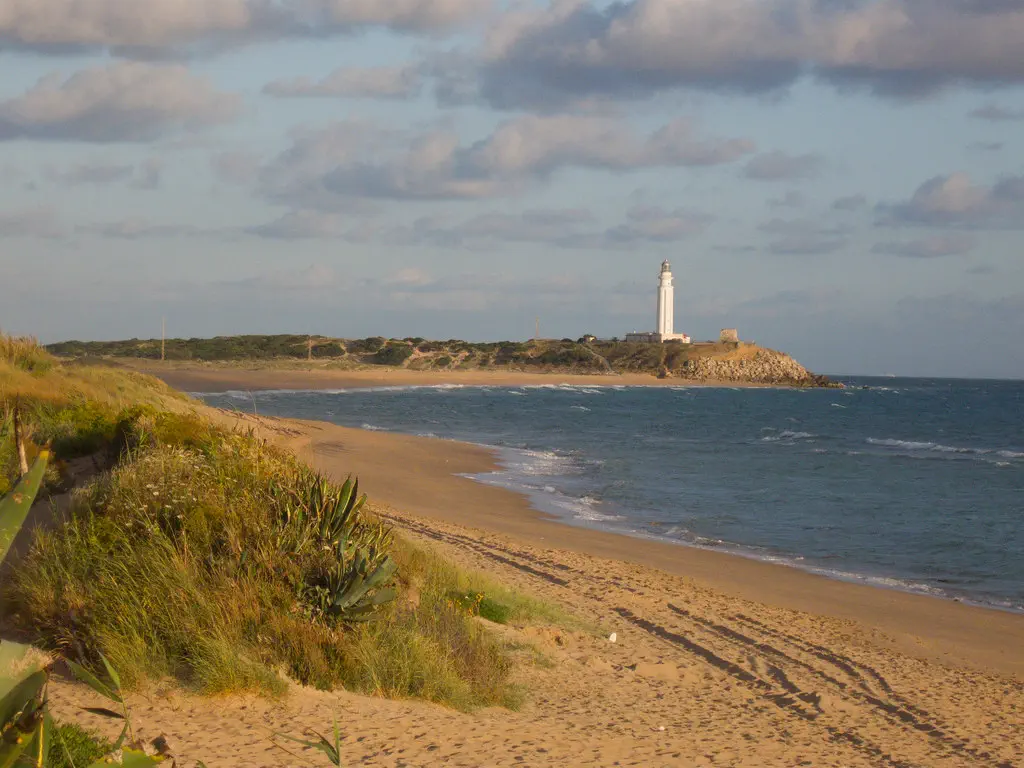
765 367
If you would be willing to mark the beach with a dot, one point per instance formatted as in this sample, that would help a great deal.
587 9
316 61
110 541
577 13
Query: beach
717 659
219 378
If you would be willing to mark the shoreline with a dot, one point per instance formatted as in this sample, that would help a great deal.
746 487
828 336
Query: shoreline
431 478
217 379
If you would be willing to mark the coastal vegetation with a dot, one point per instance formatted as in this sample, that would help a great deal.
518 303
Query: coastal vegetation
169 544
739 361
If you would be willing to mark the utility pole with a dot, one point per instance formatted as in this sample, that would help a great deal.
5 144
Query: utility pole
309 349
163 338
536 330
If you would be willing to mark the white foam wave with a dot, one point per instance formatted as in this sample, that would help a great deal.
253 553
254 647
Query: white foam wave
924 445
373 428
579 408
787 435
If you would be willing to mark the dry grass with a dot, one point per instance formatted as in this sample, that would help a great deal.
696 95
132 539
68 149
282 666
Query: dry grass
25 353
171 564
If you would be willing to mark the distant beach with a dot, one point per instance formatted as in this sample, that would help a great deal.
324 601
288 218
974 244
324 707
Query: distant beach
220 378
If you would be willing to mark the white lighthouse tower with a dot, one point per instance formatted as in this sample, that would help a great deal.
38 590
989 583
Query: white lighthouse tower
665 319
666 301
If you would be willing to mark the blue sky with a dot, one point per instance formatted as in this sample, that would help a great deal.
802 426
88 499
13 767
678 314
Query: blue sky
840 179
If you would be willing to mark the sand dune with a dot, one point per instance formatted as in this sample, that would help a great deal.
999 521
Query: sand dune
718 660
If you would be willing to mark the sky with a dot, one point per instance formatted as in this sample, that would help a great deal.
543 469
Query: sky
839 179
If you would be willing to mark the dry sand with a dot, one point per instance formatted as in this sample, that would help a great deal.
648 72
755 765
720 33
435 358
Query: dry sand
219 378
719 660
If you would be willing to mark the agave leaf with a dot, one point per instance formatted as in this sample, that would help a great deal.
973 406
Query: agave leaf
22 698
39 745
10 753
132 758
333 751
17 662
115 678
14 507
120 739
87 677
382 573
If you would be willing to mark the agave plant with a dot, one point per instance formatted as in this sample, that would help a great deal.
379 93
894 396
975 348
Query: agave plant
356 587
319 514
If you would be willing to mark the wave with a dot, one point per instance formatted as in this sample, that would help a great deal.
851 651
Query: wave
524 471
373 428
579 408
922 445
787 435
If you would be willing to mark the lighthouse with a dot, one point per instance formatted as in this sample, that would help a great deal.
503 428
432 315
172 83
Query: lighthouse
666 301
664 323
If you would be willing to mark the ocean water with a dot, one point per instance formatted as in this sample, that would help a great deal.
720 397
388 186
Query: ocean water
914 484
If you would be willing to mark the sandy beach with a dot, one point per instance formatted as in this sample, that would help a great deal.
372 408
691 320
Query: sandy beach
717 660
220 378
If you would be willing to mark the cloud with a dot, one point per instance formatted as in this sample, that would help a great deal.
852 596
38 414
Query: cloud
137 228
371 82
145 176
803 237
792 199
651 224
544 57
30 222
935 246
235 167
986 146
180 27
302 225
92 173
559 227
956 201
850 203
360 160
121 102
779 166
997 114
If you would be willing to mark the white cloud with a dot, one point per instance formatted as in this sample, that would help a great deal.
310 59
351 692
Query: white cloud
370 82
957 201
570 49
780 166
120 102
934 246
161 27
359 160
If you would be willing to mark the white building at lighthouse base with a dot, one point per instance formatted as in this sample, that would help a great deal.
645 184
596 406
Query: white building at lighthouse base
658 338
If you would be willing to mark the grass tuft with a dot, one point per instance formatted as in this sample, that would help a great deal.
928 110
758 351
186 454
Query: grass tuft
74 747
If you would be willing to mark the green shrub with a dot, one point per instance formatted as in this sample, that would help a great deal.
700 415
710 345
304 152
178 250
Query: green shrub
74 747
366 346
393 354
443 362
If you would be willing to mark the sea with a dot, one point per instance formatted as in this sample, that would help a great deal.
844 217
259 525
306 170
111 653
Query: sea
909 484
